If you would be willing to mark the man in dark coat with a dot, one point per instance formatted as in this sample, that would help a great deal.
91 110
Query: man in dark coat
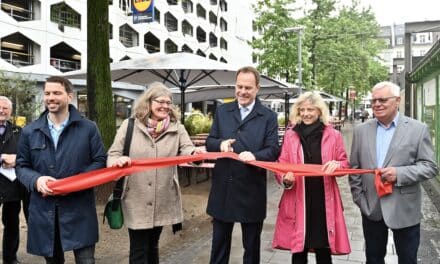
61 143
238 191
11 190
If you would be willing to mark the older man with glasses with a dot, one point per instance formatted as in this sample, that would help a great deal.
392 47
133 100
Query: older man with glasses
401 148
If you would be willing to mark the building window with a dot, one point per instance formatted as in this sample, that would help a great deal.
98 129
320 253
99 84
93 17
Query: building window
201 53
187 29
19 10
110 31
212 40
201 12
201 35
65 58
212 18
156 15
187 49
18 50
223 44
213 2
187 6
128 36
170 22
151 43
223 25
399 41
172 2
64 15
422 52
223 6
170 46
422 39
223 60
399 54
212 57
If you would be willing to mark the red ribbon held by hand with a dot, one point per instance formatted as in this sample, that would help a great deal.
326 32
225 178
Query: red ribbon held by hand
94 178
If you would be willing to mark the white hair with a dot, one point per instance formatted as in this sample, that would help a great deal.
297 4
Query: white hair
394 88
6 99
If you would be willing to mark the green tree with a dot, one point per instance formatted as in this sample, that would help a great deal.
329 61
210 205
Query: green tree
340 47
99 90
22 92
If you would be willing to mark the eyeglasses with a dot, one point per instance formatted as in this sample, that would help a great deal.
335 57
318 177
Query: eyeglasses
163 102
381 100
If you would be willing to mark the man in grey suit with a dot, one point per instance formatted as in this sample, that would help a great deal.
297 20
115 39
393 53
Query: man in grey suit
401 147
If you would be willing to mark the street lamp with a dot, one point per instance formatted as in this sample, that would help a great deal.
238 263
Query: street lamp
299 30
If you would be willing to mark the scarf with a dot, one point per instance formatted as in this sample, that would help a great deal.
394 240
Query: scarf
155 128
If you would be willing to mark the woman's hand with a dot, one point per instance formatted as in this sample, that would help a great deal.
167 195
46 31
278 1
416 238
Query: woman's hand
122 162
288 179
199 150
331 166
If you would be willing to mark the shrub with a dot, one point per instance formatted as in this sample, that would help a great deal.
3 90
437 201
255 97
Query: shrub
198 123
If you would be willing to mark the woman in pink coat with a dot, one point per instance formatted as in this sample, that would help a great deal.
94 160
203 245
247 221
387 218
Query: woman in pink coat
310 216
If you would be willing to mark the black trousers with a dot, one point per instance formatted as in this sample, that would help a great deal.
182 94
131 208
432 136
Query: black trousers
144 245
323 256
221 242
11 232
406 242
85 255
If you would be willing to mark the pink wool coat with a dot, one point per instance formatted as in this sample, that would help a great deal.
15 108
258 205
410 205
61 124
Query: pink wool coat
290 225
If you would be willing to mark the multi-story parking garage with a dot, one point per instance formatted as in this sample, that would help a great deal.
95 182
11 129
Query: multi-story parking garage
49 37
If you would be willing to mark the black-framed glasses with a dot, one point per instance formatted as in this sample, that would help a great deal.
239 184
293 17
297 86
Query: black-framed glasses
163 102
381 100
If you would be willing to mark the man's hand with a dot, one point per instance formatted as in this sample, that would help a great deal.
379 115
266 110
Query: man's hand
41 185
388 174
226 145
246 156
8 160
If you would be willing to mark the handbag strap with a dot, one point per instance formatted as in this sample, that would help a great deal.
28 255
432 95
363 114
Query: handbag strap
117 190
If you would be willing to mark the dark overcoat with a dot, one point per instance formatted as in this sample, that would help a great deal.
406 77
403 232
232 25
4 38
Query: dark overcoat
238 191
10 191
80 149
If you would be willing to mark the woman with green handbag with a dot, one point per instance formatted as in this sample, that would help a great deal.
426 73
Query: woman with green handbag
151 199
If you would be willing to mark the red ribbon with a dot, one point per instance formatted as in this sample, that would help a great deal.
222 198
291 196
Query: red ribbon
97 177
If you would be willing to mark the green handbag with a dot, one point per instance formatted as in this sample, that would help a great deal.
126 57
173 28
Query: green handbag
113 210
113 213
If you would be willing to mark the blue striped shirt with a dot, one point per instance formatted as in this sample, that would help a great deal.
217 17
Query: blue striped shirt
383 139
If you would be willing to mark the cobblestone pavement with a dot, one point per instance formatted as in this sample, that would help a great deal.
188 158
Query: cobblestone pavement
193 244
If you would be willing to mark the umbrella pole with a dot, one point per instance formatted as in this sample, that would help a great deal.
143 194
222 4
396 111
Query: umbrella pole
182 86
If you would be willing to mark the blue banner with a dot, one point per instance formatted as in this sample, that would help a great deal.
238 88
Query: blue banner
143 11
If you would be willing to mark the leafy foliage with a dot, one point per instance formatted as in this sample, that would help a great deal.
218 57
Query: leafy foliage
198 123
22 92
340 47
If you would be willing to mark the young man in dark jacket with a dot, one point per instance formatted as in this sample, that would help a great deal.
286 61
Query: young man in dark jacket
59 144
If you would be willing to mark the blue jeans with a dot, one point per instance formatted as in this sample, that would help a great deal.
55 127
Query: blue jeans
406 241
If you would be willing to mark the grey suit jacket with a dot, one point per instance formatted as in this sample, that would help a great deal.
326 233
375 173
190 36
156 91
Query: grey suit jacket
411 153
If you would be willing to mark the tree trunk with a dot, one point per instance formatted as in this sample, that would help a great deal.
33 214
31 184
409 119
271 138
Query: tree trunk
99 90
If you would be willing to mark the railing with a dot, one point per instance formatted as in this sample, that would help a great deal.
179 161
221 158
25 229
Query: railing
17 12
17 58
65 65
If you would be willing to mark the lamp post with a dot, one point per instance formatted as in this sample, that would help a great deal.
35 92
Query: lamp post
298 30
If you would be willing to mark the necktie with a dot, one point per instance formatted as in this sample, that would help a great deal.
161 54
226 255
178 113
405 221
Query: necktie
244 111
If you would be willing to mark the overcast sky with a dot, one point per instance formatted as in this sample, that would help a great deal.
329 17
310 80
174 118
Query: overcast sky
399 11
